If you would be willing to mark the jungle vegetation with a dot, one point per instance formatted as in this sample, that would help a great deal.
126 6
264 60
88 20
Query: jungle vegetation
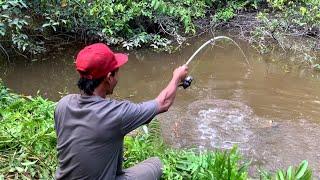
34 27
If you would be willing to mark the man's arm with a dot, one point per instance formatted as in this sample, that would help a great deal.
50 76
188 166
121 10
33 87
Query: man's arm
134 115
167 95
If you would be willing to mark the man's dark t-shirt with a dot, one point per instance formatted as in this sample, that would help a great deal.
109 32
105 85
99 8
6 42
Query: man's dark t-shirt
90 133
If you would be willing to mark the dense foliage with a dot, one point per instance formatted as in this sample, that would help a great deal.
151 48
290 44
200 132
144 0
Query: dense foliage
33 26
290 18
28 147
28 25
27 137
292 25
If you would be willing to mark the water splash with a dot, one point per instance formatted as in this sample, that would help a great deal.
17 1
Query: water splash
224 124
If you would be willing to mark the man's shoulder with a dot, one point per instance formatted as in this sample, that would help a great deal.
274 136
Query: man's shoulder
93 100
68 97
114 103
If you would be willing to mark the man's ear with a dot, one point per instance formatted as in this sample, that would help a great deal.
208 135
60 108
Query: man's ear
108 78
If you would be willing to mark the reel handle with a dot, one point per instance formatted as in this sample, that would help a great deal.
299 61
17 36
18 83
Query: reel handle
186 82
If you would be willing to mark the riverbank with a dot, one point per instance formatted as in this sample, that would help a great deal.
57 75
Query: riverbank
31 28
28 140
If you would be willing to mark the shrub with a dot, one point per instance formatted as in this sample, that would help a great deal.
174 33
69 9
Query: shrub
30 25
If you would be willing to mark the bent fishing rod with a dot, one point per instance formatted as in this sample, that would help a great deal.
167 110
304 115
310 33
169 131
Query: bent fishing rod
188 80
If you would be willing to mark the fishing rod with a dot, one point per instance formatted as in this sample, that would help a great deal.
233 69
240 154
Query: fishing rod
188 80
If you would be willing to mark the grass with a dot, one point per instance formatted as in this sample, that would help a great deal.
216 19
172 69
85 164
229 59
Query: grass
28 147
27 137
184 164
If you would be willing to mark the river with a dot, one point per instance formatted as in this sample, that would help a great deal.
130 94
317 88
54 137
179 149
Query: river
270 111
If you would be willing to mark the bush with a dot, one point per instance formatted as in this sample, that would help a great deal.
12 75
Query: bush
30 25
27 137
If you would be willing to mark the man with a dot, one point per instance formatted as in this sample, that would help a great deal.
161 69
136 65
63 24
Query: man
91 128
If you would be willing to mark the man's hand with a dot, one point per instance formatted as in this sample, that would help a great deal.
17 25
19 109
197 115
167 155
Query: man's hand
180 73
167 95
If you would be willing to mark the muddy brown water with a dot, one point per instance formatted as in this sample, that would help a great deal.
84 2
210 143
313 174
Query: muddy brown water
271 111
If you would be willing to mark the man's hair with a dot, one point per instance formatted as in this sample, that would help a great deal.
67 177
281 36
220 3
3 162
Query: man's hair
88 85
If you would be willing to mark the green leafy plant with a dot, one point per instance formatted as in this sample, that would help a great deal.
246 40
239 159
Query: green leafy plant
281 25
27 138
301 172
184 164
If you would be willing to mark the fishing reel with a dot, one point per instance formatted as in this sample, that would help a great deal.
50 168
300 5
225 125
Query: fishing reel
186 82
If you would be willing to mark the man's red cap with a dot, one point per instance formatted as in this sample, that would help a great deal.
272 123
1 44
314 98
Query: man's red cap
97 60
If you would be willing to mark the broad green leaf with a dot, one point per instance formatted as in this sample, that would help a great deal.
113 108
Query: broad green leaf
302 169
28 163
19 169
156 6
46 25
303 10
289 173
280 175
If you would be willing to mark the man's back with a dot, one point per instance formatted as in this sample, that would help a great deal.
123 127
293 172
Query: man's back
90 133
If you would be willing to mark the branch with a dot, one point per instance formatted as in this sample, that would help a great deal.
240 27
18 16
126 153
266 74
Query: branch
5 52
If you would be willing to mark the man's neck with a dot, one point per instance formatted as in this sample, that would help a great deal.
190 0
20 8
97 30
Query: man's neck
103 95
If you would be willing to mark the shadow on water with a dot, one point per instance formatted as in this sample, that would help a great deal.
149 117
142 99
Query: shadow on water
271 112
